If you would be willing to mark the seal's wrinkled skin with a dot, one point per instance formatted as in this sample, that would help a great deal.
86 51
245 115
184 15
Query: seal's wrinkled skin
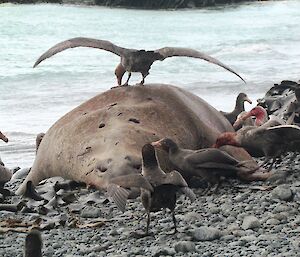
102 138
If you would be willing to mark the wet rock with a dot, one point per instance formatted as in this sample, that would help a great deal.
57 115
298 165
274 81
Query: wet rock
232 227
90 212
250 222
214 210
164 252
192 217
281 208
282 217
113 232
248 238
282 192
272 222
206 233
75 208
239 233
241 197
185 247
228 237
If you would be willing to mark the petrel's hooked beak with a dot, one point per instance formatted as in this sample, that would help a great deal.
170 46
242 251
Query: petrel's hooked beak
4 138
247 99
156 143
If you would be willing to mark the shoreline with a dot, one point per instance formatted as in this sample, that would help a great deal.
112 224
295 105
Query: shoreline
131 4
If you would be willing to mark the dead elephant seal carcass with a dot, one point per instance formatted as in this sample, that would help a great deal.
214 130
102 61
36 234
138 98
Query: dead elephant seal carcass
102 138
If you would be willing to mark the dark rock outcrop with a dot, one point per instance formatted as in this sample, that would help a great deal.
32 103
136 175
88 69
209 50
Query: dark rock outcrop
139 4
30 1
282 100
164 4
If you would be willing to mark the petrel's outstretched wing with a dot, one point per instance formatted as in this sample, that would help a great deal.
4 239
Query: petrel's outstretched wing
188 52
82 42
117 189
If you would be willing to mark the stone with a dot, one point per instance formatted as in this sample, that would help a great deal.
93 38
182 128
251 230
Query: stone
250 222
281 208
230 219
164 252
272 222
282 217
214 210
241 197
90 212
206 233
248 238
239 233
192 217
233 227
185 247
282 192
113 232
228 237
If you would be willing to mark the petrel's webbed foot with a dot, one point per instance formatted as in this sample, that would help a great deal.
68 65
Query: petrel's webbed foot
143 80
115 87
124 85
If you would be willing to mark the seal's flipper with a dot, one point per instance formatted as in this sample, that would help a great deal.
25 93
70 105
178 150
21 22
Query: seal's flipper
30 192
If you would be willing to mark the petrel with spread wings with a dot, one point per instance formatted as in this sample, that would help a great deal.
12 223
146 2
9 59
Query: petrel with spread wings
132 60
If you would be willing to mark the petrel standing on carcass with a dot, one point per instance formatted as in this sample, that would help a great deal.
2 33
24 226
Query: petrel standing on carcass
132 60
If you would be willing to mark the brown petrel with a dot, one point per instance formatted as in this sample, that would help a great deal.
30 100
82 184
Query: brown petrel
132 60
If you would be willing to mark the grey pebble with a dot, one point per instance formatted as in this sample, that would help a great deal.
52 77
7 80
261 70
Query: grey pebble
192 217
248 238
90 212
241 197
228 237
185 247
272 222
250 222
113 232
281 208
282 192
206 233
239 233
164 252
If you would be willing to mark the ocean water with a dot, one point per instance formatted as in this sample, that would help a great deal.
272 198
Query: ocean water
260 40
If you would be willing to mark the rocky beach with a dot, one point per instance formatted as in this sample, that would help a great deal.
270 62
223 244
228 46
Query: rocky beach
240 219
259 218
